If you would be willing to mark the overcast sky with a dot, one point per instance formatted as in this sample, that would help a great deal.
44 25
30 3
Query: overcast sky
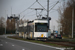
20 5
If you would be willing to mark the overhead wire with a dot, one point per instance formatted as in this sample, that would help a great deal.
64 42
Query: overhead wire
27 8
51 4
26 14
29 15
33 4
41 5
54 6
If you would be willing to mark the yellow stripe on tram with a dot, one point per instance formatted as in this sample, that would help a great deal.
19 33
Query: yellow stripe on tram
41 35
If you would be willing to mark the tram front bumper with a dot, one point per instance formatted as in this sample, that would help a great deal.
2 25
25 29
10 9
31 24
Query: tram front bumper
41 38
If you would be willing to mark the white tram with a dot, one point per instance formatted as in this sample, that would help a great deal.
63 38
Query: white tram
36 29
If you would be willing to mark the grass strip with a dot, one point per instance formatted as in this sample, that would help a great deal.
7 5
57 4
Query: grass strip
63 40
40 42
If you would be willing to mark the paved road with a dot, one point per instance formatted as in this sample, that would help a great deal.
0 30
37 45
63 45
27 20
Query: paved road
11 44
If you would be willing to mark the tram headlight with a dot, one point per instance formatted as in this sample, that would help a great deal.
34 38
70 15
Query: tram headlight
44 36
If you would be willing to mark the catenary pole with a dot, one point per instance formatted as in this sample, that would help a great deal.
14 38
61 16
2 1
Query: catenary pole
48 12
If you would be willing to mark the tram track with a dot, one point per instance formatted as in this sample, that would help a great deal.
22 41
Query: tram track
62 43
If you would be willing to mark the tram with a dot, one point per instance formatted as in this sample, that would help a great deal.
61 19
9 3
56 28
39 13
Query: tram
36 29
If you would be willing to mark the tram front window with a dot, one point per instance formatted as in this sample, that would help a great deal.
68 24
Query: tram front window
40 27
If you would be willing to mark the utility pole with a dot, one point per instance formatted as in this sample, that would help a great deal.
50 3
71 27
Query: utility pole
5 22
11 10
48 12
72 20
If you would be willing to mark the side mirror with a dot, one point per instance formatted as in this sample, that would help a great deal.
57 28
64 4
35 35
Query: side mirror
49 18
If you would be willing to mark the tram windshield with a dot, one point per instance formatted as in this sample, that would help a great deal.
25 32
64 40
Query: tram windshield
40 27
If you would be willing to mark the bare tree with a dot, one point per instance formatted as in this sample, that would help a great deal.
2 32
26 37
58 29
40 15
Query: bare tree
66 17
2 25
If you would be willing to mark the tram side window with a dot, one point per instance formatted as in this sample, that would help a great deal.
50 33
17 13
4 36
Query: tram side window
32 28
19 29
